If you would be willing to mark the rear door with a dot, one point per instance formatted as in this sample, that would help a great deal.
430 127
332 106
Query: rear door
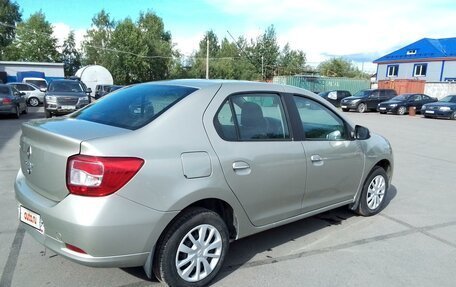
263 166
374 100
334 161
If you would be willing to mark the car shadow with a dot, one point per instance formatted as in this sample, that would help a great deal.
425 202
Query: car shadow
243 250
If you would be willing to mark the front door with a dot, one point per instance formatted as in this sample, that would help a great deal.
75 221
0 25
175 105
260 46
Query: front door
264 168
334 161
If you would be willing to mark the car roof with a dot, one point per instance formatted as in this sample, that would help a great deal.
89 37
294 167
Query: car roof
203 83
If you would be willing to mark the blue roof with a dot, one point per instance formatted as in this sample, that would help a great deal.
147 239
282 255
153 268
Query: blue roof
425 48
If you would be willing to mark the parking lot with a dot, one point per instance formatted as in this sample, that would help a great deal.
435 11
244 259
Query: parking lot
412 242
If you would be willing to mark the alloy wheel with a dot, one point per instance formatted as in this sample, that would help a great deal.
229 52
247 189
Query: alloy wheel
401 111
376 192
198 253
34 102
362 107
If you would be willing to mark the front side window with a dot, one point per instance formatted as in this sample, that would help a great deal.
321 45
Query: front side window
249 117
392 70
420 70
319 123
134 106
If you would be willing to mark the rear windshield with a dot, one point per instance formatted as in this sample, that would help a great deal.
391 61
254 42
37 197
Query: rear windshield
65 86
133 107
38 83
4 91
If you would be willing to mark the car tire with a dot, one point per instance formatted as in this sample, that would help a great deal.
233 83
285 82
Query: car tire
453 116
183 235
345 110
361 108
33 102
374 192
383 113
401 110
17 112
25 110
48 114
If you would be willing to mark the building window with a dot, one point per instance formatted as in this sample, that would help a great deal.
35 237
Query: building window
411 52
419 70
392 70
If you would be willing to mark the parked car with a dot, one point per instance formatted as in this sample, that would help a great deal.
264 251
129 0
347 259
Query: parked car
445 108
366 100
334 97
64 97
33 95
12 101
102 90
41 83
401 104
165 174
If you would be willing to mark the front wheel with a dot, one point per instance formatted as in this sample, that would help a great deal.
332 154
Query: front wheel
361 108
373 194
34 102
453 116
401 111
192 250
345 110
47 114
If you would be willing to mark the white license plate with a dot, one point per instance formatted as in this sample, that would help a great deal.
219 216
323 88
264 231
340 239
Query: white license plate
382 108
343 107
31 218
68 107
429 112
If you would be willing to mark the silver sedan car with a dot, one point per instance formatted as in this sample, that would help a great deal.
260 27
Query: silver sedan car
164 175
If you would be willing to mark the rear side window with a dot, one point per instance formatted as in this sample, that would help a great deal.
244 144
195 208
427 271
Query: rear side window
133 107
252 117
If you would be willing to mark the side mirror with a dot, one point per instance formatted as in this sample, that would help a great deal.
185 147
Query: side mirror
43 90
22 93
89 91
361 133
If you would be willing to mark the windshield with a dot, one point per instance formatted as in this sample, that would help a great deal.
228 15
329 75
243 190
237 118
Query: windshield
362 94
401 97
65 86
133 107
39 83
449 99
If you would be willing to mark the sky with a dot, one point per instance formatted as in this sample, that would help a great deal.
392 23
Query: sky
359 30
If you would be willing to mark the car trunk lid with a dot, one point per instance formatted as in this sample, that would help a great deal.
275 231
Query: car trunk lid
45 146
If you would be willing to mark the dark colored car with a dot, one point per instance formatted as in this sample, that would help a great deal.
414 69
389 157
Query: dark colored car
64 97
103 90
401 104
366 100
445 108
334 97
12 101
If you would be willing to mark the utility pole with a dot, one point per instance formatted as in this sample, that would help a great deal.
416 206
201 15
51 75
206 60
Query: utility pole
207 57
262 67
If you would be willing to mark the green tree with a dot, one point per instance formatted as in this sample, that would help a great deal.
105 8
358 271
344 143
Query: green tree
9 16
340 67
97 39
265 53
291 62
70 55
34 41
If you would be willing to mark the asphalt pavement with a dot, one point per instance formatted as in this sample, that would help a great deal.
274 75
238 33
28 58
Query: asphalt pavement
412 242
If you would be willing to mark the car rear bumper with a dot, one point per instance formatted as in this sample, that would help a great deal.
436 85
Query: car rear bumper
112 230
8 109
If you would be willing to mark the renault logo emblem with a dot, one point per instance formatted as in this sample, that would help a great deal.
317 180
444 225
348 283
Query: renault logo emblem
28 163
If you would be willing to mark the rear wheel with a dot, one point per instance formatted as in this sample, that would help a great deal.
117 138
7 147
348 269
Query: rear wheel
34 102
361 108
401 111
25 111
373 194
192 250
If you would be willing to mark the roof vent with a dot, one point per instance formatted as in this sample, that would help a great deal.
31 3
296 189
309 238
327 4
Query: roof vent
411 52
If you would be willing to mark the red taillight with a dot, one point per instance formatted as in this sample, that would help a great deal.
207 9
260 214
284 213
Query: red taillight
74 248
7 101
100 176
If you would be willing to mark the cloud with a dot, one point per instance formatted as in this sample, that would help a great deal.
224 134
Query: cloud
61 31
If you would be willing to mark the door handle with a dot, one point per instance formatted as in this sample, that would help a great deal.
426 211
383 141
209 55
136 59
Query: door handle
240 165
316 158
